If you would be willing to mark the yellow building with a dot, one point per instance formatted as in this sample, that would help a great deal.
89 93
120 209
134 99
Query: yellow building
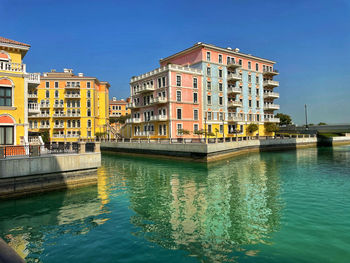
14 85
118 108
70 107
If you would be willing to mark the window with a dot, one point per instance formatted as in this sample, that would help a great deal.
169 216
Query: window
47 84
195 83
47 94
249 78
89 123
179 127
163 80
164 129
6 135
220 86
88 103
195 97
195 115
228 60
69 124
89 94
256 66
249 65
220 101
209 116
89 113
178 95
179 114
209 128
159 82
208 85
208 71
56 93
250 103
257 104
250 90
208 56
240 62
209 99
5 96
195 127
88 85
221 116
221 128
257 80
220 73
56 85
258 117
220 58
178 81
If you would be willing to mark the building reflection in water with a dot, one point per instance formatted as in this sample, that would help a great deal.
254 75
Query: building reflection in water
37 221
212 212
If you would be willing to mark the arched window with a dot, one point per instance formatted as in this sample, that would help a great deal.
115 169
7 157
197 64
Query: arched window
56 93
68 124
61 102
88 103
47 94
89 113
89 123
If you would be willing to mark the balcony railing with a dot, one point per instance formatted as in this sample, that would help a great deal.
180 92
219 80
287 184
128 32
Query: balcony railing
160 100
45 105
234 90
32 96
13 67
234 77
144 133
60 126
232 64
57 115
40 116
234 104
133 120
271 106
33 107
272 119
58 105
271 83
144 89
235 118
44 127
33 78
72 87
65 135
270 72
72 96
273 95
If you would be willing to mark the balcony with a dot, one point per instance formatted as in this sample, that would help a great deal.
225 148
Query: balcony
234 117
145 89
234 90
132 105
72 96
133 120
70 86
160 100
33 108
160 118
271 83
73 115
272 119
58 105
33 79
45 105
65 135
40 115
32 96
234 104
58 115
271 106
233 65
271 95
144 133
59 126
270 72
234 77
44 127
12 67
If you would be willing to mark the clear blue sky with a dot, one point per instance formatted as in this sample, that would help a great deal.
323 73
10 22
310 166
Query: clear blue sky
114 40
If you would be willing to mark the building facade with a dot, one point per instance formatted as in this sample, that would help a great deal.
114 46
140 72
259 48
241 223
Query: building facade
14 85
70 107
118 108
234 90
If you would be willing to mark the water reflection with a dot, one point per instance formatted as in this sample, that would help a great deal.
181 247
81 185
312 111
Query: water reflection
210 211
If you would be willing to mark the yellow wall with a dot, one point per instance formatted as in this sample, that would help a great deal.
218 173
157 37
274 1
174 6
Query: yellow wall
17 111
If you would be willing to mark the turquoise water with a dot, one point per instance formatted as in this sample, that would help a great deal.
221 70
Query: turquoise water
271 207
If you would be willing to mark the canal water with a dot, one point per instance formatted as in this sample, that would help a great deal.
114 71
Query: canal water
291 206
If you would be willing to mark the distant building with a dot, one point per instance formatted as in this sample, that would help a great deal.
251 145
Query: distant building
70 106
217 90
14 85
118 108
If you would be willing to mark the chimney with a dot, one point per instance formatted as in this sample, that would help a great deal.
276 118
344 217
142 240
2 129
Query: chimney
81 74
114 98
67 70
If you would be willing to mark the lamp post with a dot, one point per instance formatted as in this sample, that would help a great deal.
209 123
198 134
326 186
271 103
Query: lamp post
205 128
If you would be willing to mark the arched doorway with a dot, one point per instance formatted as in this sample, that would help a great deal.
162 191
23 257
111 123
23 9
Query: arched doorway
7 130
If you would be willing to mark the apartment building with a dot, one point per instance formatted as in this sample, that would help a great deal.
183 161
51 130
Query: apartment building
118 108
69 106
234 90
14 85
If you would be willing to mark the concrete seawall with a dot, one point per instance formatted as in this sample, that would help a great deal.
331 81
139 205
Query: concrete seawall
22 176
208 152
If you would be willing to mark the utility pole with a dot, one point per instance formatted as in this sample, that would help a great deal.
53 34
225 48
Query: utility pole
306 126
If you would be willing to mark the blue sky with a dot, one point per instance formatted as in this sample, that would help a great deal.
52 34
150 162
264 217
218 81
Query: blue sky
114 40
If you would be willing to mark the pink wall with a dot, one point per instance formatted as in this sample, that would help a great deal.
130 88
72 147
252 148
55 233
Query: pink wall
191 57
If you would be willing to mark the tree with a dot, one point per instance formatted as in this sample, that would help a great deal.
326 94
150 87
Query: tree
284 119
121 119
252 128
271 127
322 123
45 135
183 132
199 132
